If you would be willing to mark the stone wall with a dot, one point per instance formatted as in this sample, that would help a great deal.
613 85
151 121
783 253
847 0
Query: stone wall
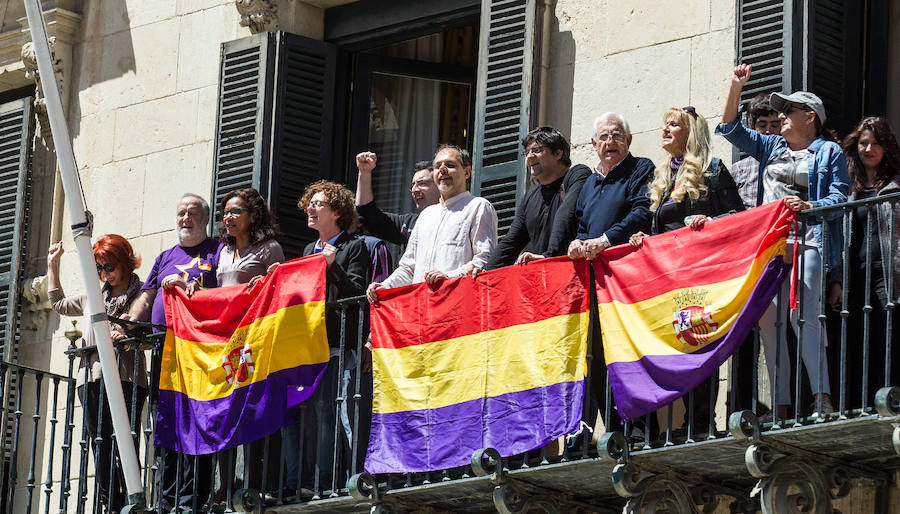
637 59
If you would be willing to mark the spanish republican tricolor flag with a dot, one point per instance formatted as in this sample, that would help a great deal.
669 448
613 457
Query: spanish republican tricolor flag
674 310
237 359
496 361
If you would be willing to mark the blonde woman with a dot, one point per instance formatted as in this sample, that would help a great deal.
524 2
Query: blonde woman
687 189
691 185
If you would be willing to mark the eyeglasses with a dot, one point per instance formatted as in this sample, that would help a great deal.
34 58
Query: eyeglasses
690 110
235 211
421 184
790 107
615 136
316 204
533 150
109 268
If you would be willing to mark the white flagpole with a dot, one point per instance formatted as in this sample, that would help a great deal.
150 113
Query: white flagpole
82 224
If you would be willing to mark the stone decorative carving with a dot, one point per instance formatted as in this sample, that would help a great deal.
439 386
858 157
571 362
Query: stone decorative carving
37 303
258 15
31 71
792 484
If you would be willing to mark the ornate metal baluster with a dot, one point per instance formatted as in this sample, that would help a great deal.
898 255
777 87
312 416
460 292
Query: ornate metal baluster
35 420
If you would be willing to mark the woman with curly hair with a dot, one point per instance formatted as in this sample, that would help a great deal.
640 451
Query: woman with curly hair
806 168
116 263
689 188
873 162
248 230
331 211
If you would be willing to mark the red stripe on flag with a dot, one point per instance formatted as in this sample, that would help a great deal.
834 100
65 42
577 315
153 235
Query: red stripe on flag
417 314
212 315
690 258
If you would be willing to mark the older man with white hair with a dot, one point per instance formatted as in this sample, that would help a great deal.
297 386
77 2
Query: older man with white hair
613 204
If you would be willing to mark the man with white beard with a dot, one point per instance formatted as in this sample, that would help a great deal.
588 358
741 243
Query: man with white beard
190 264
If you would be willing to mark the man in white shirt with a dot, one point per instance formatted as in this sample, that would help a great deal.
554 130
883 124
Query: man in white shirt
458 231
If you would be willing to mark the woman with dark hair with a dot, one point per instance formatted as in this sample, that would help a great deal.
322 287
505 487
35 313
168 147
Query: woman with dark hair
806 168
873 161
116 263
690 187
331 211
248 230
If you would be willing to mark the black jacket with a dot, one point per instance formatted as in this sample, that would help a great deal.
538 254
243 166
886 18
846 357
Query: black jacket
721 196
545 219
345 278
387 226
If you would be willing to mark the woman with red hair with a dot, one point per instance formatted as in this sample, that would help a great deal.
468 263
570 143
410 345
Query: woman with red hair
116 263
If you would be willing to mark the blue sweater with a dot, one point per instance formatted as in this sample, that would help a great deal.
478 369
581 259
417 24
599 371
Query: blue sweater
616 205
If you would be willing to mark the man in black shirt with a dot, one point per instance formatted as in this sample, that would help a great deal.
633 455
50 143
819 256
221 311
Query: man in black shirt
545 219
388 226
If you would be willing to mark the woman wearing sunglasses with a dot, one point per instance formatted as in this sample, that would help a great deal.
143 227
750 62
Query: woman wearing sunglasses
806 167
690 187
116 263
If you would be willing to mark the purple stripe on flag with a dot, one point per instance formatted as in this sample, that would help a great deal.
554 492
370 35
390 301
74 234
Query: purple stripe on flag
199 427
445 437
644 385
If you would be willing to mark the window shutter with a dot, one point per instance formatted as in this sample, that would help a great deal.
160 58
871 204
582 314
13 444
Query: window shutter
836 60
245 84
304 121
274 128
764 40
16 131
503 103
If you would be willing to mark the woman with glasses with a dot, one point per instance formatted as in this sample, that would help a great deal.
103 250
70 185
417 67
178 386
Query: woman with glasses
116 263
330 210
248 231
690 187
805 167
873 161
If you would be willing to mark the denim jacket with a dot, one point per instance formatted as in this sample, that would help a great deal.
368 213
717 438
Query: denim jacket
828 178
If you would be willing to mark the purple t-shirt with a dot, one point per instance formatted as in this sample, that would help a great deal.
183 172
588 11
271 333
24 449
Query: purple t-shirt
197 264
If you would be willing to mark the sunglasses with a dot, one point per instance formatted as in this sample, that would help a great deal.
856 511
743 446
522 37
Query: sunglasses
109 268
790 107
690 110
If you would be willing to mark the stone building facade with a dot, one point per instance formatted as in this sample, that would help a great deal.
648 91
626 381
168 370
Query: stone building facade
142 84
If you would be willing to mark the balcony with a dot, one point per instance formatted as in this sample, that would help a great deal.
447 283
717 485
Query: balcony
705 453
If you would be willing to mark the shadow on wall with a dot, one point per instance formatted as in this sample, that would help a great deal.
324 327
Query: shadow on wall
558 76
105 52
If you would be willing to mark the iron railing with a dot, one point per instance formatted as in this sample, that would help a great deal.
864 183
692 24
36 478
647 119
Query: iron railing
330 448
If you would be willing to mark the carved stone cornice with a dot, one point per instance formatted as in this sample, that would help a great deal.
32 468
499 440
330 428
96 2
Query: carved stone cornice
258 15
31 71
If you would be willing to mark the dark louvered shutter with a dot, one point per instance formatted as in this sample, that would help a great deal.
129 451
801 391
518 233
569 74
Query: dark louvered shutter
304 107
16 131
275 123
764 40
245 99
503 103
836 60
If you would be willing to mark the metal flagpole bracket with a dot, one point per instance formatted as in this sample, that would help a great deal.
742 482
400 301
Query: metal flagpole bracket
85 228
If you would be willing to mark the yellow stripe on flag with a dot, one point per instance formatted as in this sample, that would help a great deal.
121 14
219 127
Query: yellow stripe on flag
200 373
507 360
645 328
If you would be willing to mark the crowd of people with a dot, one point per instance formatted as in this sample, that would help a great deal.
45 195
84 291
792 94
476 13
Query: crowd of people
570 210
